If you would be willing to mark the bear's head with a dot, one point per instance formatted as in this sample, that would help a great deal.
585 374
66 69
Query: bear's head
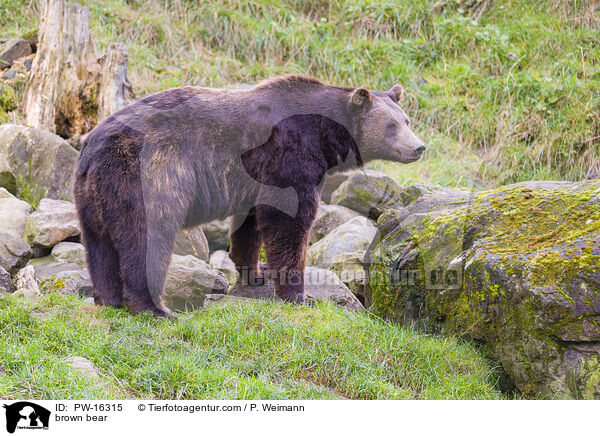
383 129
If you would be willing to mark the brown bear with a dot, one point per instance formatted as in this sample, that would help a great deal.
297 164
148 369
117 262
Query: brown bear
190 155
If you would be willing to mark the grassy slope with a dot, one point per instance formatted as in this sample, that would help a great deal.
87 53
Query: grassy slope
256 351
500 90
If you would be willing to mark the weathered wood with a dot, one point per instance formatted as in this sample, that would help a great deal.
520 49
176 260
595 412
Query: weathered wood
70 88
115 90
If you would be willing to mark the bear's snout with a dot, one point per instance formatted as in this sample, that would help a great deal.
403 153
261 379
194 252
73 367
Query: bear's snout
419 149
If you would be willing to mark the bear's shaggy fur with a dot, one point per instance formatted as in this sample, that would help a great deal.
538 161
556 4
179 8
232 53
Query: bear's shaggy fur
189 155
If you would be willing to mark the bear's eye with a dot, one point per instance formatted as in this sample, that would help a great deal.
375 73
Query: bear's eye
408 122
391 127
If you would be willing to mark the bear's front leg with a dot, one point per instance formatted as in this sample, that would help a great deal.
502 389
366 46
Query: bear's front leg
286 239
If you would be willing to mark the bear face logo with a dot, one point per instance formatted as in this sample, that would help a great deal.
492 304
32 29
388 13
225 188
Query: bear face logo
24 414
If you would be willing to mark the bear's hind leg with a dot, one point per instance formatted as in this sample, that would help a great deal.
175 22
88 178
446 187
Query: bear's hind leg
245 248
143 264
103 263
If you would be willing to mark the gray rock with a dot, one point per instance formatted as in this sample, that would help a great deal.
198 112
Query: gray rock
221 261
26 283
69 252
349 268
7 177
331 182
39 314
83 366
189 280
14 252
13 50
191 242
328 218
53 222
368 193
6 283
319 285
65 278
62 276
422 200
31 36
188 261
42 159
13 214
46 267
355 235
217 234
9 74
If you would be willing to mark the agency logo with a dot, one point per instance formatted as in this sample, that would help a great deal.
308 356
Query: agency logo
26 415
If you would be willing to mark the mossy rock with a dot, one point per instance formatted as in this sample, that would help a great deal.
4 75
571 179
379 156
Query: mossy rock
368 193
517 268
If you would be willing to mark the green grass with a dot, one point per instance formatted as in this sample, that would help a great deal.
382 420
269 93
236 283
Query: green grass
513 85
256 351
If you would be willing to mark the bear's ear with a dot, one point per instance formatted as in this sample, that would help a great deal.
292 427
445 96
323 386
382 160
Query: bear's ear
362 99
396 93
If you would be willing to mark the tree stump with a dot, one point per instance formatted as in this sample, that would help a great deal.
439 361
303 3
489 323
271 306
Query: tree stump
70 88
115 91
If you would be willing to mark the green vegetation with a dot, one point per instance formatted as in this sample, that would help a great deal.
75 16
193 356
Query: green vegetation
501 90
8 103
29 191
259 350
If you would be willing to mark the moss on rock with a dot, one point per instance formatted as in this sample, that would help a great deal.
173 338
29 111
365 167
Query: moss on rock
517 268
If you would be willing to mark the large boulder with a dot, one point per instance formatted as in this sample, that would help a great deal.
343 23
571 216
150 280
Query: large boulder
217 234
319 285
13 214
41 159
54 221
14 252
368 193
328 218
191 242
189 280
355 235
516 269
